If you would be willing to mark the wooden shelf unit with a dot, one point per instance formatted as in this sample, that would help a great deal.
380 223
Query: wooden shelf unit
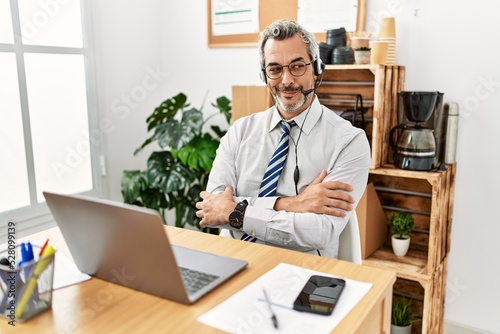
427 195
422 272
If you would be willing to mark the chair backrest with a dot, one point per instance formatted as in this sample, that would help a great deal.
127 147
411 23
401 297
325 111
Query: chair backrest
350 242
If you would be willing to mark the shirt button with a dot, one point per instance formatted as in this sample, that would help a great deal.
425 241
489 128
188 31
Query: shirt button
285 243
254 233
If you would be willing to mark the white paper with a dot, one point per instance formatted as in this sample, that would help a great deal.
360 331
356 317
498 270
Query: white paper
322 15
235 17
66 272
247 312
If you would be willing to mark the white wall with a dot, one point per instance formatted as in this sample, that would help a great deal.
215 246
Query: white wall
128 55
450 46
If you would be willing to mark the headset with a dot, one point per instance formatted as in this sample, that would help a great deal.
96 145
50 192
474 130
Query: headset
319 68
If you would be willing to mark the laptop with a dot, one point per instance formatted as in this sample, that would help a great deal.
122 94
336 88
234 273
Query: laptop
128 245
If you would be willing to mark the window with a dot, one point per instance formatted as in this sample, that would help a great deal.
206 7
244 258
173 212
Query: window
45 108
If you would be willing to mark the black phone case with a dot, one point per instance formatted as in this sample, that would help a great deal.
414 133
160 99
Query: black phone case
302 302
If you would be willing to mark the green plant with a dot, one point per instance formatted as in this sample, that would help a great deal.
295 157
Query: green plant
177 173
363 48
402 312
401 224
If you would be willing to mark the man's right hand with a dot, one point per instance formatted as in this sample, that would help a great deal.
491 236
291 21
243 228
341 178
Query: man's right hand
320 197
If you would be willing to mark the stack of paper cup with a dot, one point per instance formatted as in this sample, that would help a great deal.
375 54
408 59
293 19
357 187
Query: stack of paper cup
387 27
388 34
379 52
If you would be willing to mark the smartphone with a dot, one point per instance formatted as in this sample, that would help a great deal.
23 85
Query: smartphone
319 295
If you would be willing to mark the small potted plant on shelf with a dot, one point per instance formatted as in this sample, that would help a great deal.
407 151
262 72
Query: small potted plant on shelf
401 225
402 316
362 55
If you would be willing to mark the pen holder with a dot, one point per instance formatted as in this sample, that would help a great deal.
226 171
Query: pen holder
25 291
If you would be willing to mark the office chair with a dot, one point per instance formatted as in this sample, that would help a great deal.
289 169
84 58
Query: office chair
350 242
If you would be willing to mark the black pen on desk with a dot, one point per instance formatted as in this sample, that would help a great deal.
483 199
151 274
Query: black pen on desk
273 316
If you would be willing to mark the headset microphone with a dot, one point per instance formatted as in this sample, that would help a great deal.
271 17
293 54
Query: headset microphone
307 92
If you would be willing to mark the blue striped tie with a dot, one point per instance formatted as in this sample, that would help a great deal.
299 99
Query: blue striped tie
274 168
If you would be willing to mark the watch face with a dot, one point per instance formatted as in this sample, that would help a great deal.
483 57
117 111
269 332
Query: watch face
236 219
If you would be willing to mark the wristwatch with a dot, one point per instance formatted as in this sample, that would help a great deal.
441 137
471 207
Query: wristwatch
236 217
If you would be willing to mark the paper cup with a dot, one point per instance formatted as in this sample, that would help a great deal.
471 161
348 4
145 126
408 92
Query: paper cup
378 52
387 27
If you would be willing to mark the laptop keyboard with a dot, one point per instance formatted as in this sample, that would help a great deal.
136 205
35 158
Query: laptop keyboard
196 280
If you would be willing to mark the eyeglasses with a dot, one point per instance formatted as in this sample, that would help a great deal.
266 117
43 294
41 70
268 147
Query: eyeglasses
297 69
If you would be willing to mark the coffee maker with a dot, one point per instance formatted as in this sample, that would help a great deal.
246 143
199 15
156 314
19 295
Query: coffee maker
412 141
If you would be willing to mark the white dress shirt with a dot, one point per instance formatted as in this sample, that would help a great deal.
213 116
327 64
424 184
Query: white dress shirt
328 142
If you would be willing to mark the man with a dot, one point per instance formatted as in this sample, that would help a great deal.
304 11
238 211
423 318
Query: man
325 158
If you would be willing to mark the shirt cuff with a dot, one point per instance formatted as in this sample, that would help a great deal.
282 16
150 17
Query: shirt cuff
265 202
255 223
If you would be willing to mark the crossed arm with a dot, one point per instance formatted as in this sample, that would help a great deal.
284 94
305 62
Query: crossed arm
330 198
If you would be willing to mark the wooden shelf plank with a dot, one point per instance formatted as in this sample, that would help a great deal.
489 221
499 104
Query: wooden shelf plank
413 266
391 170
353 67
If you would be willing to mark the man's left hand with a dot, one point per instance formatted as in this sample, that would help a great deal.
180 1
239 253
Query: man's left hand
215 208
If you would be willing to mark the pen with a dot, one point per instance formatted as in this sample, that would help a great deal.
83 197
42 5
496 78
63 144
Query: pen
43 247
273 316
40 266
26 253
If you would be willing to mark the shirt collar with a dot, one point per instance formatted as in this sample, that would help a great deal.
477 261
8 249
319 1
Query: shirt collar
307 125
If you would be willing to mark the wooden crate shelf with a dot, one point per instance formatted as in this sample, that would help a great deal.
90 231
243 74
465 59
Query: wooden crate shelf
422 272
428 300
427 196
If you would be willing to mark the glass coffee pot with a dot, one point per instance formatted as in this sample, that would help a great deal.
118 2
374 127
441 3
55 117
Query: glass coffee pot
414 144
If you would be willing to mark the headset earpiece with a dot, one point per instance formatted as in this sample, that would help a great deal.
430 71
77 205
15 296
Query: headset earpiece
319 67
263 76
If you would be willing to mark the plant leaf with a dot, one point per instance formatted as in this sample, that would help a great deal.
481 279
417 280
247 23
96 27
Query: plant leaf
155 199
218 131
186 205
133 183
136 190
224 106
401 223
147 142
167 173
167 110
200 153
162 114
177 134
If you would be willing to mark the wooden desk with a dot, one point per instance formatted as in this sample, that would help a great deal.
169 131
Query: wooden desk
96 306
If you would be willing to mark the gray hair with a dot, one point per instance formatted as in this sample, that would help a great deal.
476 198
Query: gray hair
283 29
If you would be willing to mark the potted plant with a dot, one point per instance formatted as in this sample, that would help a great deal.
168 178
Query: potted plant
362 55
401 225
177 172
402 316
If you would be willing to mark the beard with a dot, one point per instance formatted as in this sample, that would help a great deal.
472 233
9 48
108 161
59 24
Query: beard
288 107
